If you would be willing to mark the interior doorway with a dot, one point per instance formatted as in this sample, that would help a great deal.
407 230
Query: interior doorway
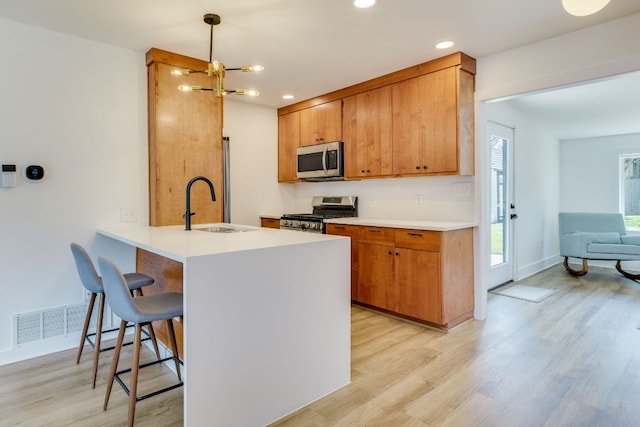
502 204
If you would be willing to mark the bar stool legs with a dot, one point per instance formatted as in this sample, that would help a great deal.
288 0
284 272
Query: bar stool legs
132 390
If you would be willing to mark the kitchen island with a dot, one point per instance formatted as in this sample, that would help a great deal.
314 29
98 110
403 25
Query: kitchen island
267 317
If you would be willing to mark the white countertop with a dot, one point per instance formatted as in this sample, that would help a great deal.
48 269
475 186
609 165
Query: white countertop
176 243
401 223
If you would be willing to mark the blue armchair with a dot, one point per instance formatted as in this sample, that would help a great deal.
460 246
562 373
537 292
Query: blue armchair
597 236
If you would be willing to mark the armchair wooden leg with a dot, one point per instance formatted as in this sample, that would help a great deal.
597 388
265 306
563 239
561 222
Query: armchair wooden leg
577 273
626 273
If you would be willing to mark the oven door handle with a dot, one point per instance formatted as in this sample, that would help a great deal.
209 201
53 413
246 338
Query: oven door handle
324 160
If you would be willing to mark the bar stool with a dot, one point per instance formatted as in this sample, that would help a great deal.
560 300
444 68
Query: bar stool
139 311
93 283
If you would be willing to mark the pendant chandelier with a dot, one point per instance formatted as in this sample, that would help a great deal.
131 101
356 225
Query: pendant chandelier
217 69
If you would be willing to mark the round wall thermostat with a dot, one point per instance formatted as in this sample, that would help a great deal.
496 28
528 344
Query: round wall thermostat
34 172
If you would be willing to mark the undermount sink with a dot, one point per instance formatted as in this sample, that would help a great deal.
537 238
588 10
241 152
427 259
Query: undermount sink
225 229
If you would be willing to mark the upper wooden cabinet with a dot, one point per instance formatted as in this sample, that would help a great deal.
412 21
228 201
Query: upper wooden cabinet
424 124
414 122
367 133
321 123
288 141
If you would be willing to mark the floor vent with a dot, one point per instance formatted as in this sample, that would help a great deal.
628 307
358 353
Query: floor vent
49 323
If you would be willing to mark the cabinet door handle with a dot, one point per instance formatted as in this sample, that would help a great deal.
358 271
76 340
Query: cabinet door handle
417 167
337 227
373 231
425 167
415 234
390 253
397 254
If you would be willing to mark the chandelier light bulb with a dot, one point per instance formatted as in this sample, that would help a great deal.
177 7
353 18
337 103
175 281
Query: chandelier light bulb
583 7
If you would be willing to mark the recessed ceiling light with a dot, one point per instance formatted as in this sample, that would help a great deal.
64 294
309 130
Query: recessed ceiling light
583 7
363 3
287 96
444 45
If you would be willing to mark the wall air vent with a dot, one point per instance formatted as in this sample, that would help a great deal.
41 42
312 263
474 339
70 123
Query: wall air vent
49 323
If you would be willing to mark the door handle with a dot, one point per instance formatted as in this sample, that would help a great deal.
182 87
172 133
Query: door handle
513 216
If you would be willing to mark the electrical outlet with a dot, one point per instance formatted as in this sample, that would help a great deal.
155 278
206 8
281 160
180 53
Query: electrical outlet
419 200
128 214
372 202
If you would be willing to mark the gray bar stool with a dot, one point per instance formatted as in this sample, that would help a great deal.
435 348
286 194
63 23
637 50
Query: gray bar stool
93 283
139 311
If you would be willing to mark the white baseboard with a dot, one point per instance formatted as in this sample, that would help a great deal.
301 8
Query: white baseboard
536 267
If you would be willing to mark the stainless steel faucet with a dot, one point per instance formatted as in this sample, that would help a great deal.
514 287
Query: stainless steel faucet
188 213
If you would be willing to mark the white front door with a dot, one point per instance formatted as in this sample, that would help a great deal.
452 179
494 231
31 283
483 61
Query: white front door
503 209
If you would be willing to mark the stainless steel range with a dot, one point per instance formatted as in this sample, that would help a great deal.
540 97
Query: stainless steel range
324 207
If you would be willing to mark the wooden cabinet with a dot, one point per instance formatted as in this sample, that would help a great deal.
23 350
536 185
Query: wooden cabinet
321 123
352 232
414 122
288 142
425 123
423 275
417 277
367 134
376 286
269 222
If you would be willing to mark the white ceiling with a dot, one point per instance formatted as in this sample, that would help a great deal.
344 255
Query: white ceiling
310 47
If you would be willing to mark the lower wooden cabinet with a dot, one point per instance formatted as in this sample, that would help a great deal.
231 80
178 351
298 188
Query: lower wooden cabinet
375 285
422 275
269 222
417 277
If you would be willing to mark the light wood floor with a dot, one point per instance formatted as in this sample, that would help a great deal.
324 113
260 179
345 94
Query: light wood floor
570 360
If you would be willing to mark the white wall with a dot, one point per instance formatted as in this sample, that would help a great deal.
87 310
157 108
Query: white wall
79 109
253 134
590 174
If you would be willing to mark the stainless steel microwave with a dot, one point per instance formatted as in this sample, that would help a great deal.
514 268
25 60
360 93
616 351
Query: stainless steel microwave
321 162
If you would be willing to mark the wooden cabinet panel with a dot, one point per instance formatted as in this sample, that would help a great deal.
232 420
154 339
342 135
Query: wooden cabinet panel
353 232
185 140
418 284
367 133
321 123
288 142
376 286
269 222
425 123
379 235
418 239
167 275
